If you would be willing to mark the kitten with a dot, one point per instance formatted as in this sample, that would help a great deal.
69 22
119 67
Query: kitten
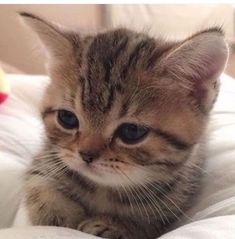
125 117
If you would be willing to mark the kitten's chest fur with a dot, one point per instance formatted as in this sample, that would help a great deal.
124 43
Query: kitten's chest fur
95 199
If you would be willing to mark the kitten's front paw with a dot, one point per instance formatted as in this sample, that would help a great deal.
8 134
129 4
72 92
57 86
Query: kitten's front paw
101 228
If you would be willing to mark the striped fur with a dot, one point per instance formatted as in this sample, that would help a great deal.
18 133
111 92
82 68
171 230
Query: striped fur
119 76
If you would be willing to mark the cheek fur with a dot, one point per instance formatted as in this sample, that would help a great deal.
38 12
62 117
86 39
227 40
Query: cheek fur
155 158
151 151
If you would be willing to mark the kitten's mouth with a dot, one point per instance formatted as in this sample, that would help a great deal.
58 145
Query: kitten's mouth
106 174
103 171
109 172
100 168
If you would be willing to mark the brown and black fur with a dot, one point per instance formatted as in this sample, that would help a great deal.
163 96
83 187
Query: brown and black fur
106 79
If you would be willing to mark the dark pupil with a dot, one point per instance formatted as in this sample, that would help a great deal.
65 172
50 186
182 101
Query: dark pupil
131 133
67 119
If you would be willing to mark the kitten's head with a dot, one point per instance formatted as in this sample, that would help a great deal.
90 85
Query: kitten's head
123 108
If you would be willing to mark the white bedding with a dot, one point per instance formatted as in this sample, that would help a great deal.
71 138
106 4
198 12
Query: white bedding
20 130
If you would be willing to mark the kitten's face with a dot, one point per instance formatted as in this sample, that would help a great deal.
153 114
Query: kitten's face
134 147
123 108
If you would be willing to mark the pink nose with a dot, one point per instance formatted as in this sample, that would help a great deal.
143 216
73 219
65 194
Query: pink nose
89 155
91 146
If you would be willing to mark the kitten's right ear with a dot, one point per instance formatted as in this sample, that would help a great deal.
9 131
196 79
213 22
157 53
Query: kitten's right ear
52 37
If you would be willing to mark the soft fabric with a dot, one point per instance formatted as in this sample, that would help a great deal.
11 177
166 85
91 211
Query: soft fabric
21 132
213 228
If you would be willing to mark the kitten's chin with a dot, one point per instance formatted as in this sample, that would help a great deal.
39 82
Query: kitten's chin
110 176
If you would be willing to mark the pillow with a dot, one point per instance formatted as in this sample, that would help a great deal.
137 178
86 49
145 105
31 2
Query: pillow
20 130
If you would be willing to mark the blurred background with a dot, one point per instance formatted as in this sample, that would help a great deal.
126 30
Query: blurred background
19 52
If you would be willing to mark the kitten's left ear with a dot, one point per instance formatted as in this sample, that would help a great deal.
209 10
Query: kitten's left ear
197 62
54 39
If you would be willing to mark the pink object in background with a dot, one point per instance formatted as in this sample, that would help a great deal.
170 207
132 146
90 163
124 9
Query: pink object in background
3 97
4 87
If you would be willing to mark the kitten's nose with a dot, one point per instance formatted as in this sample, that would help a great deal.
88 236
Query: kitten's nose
89 155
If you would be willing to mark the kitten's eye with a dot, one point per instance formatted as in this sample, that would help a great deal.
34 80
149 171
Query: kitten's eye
67 119
131 133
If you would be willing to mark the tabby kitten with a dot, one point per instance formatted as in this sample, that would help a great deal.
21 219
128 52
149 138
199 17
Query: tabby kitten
125 117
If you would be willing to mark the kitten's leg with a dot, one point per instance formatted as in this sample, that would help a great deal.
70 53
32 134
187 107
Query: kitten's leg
47 206
104 227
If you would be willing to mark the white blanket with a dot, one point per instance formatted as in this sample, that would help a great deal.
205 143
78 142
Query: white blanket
213 215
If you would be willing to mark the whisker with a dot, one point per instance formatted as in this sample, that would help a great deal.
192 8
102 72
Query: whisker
126 193
158 208
170 200
137 194
133 196
163 193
